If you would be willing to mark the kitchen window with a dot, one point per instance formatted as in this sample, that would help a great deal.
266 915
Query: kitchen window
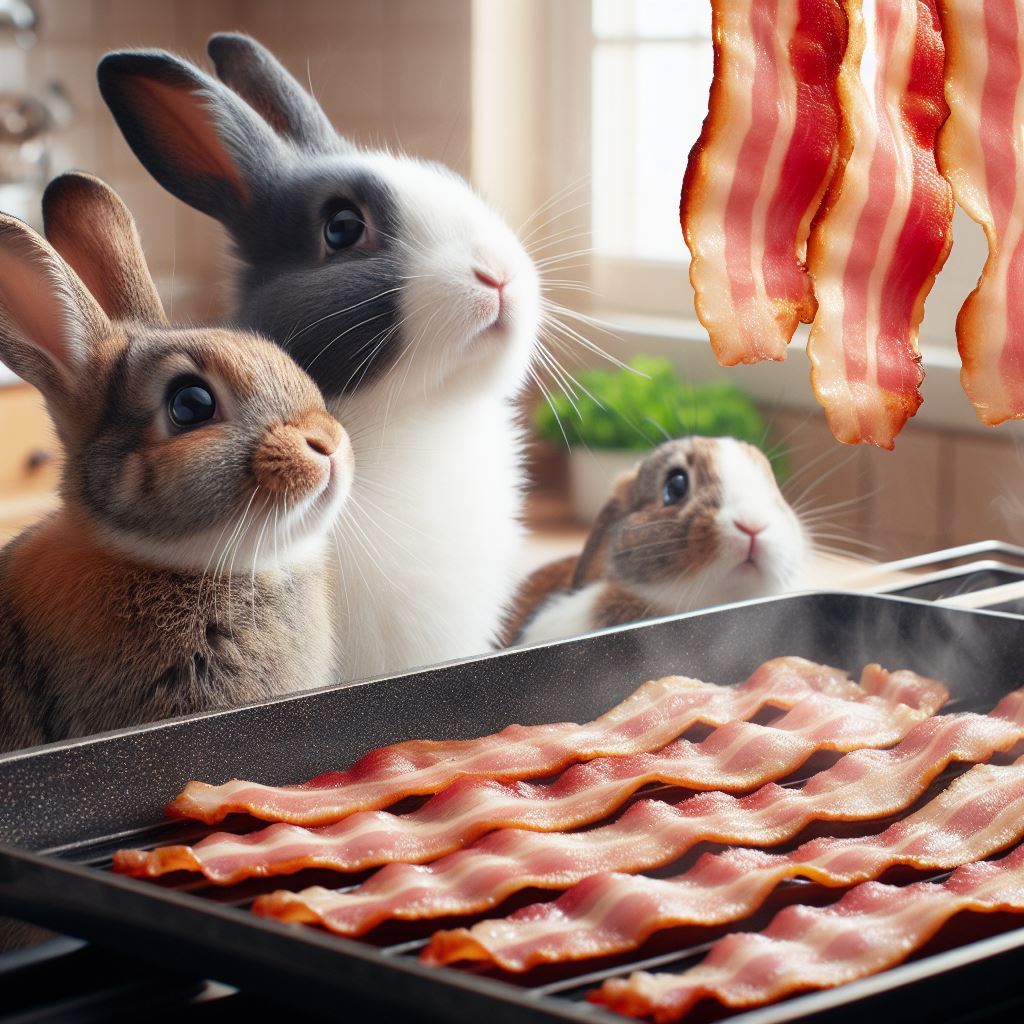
651 67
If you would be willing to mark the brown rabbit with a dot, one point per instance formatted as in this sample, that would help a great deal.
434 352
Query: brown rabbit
184 570
700 521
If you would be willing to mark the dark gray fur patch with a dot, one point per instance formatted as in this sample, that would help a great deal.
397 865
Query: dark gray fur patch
322 311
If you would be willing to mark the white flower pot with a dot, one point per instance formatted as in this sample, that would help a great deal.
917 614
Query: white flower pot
592 475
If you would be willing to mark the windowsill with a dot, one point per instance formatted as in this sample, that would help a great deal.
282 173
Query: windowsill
685 342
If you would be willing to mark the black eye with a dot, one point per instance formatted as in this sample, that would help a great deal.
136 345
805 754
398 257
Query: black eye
191 404
345 227
677 486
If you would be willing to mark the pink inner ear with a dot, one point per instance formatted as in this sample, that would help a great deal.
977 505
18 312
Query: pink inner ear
29 298
187 125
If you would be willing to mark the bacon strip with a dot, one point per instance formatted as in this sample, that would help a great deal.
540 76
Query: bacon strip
872 927
981 813
885 226
757 174
738 756
982 154
650 718
862 785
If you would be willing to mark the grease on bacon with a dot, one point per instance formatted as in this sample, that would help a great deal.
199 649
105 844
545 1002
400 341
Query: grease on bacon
757 174
657 713
874 926
862 785
981 813
981 152
884 229
735 757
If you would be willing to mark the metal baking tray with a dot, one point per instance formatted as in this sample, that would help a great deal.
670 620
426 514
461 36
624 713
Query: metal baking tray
961 579
65 807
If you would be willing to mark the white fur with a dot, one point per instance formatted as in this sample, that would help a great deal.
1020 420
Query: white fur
261 536
564 615
426 551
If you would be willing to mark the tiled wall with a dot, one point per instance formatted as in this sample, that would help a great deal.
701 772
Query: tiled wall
935 490
388 72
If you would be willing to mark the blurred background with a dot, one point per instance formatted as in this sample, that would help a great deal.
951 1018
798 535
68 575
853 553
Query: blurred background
574 117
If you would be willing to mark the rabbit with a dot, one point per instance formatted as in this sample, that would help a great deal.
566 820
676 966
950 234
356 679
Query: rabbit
184 569
409 301
699 521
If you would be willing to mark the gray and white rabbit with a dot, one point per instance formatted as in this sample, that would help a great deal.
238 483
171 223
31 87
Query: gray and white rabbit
699 521
184 568
409 301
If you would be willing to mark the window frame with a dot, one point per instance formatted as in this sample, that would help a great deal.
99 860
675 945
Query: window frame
635 285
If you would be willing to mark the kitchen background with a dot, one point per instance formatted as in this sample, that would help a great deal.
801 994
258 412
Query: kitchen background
574 118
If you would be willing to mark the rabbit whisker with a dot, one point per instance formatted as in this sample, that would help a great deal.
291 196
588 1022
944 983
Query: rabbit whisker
561 194
341 312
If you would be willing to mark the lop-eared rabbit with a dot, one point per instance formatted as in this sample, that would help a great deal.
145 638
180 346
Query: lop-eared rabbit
700 521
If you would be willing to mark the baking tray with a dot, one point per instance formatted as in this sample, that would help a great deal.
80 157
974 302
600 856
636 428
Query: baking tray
65 807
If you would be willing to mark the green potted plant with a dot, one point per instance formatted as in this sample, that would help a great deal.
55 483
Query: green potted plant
617 415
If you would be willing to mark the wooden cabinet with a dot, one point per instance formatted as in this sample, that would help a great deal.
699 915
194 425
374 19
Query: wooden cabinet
29 459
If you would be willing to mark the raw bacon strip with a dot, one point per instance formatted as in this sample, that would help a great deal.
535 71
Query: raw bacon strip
872 927
981 813
651 717
863 785
885 226
757 174
737 756
981 152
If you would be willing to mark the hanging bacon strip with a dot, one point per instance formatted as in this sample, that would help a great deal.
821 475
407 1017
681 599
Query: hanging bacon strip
862 785
872 927
981 152
738 756
757 174
981 813
649 719
885 226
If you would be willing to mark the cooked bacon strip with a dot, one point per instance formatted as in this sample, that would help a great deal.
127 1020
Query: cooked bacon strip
885 226
859 786
757 174
872 927
736 757
650 718
981 813
982 154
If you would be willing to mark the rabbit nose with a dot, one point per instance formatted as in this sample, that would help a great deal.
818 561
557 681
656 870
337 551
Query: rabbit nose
747 528
319 446
488 279
322 434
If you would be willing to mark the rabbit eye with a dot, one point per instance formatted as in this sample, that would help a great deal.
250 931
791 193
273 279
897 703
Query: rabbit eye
677 486
345 227
191 404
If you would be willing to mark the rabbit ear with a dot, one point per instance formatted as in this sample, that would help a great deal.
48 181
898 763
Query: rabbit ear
89 225
48 321
194 135
253 72
589 566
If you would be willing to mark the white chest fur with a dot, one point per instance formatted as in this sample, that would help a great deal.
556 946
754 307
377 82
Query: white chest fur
426 547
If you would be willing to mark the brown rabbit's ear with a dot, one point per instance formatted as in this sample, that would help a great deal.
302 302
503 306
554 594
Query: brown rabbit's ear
589 566
253 72
48 321
90 226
